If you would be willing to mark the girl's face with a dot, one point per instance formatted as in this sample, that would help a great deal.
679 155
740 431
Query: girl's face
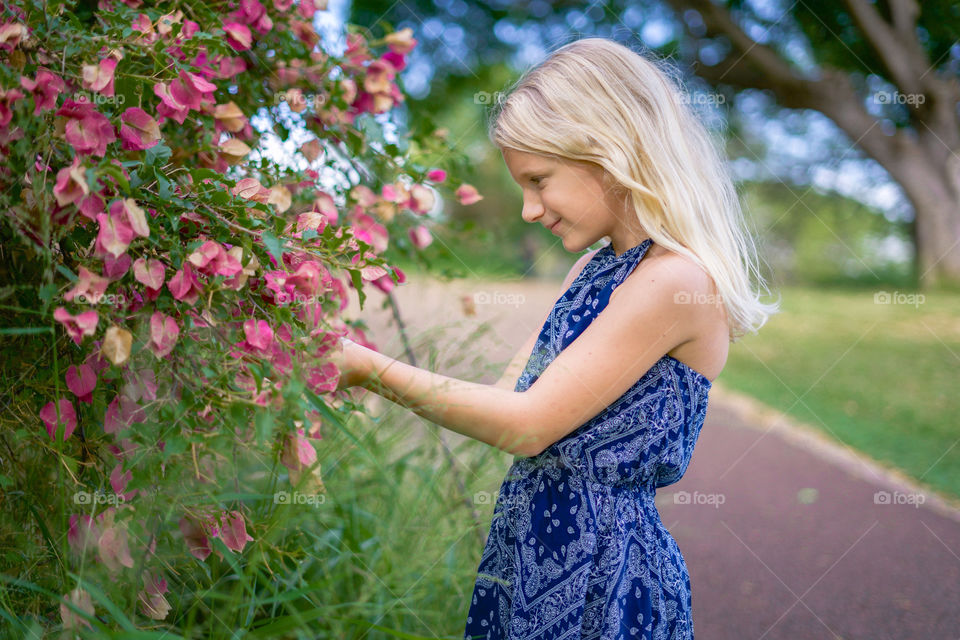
571 199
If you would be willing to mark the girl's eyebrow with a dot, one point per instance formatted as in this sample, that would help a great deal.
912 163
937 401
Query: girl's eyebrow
527 174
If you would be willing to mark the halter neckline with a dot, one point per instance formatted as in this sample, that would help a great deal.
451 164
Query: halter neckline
607 253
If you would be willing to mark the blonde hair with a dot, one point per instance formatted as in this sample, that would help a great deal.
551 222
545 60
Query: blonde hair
597 101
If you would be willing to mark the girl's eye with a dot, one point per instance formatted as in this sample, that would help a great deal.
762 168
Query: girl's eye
536 180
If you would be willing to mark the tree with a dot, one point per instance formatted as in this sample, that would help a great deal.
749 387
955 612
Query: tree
885 73
852 42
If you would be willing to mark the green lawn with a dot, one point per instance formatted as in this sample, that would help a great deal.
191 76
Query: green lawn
882 378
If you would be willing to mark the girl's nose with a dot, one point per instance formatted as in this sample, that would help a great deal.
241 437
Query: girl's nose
532 209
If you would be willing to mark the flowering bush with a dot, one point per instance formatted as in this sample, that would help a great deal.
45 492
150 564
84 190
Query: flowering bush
170 294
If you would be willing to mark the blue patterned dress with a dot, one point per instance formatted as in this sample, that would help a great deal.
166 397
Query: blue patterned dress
576 548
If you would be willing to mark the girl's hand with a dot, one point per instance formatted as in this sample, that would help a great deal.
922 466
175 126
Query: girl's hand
347 356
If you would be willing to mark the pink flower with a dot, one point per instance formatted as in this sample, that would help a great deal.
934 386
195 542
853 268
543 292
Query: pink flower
366 228
184 285
83 324
87 130
82 533
114 268
149 273
7 98
238 35
11 33
258 333
192 90
211 259
45 89
119 480
436 175
115 235
297 453
112 546
195 535
233 531
152 603
82 601
91 206
82 381
421 199
71 183
163 334
99 77
401 41
68 418
169 106
139 384
139 130
323 379
89 288
421 237
467 194
308 278
385 282
121 413
396 60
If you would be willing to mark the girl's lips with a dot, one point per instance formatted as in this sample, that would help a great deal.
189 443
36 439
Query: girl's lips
553 226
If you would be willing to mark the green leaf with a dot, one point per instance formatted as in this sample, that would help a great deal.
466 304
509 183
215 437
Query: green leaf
274 246
46 293
263 426
157 154
164 189
358 285
117 174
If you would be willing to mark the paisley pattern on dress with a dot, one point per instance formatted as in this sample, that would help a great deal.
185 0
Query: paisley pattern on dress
576 548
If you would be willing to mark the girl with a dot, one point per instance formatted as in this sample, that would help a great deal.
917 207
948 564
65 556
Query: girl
613 393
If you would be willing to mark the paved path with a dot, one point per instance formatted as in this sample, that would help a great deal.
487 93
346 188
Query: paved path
786 533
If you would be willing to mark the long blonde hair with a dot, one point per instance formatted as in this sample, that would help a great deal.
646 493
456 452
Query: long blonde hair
597 101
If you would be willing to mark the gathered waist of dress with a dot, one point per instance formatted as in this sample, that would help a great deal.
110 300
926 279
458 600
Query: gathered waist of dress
556 467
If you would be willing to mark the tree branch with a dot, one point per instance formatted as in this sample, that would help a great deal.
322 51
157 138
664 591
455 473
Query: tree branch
898 50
